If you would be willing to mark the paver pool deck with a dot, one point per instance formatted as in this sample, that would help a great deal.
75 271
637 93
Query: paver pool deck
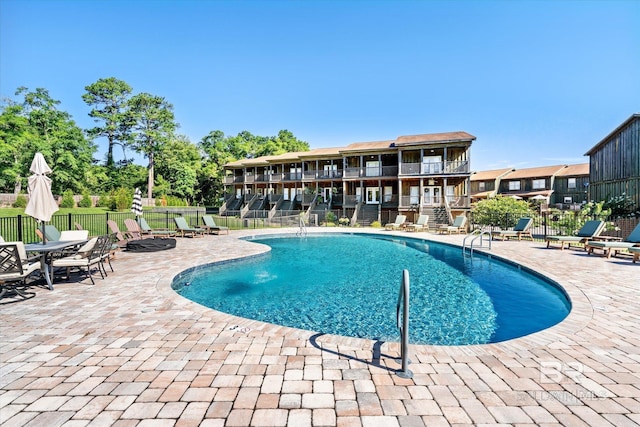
130 352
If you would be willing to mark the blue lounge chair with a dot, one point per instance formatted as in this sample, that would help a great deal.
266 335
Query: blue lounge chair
520 230
185 229
608 247
588 231
211 226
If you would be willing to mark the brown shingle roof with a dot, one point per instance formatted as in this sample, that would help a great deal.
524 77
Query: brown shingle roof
432 138
575 170
539 172
490 174
367 146
321 152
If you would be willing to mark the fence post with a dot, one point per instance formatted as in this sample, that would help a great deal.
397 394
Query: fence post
20 228
106 226
69 225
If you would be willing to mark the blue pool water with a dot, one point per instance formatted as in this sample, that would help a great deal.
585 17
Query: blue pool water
348 285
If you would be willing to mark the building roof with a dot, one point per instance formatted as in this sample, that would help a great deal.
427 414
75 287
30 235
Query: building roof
434 138
367 146
320 152
539 172
624 124
490 174
574 170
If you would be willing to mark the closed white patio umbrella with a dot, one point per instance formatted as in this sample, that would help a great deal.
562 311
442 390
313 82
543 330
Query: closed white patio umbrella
41 204
136 206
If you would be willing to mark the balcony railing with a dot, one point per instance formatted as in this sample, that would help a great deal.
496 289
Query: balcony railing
434 168
233 179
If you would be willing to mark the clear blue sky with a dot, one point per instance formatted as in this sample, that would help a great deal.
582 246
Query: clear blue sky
538 83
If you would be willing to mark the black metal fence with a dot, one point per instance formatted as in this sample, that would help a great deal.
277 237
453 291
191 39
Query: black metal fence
22 227
554 224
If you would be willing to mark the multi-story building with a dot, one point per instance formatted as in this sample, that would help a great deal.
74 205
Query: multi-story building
615 163
485 184
571 186
364 181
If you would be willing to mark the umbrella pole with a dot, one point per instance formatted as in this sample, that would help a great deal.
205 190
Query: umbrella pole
44 236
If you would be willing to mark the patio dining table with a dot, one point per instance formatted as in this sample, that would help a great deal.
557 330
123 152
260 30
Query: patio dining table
47 249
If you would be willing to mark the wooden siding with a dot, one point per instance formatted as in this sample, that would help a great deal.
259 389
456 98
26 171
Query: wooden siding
525 185
562 190
615 165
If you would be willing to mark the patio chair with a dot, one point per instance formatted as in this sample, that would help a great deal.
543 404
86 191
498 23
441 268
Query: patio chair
589 230
86 258
459 226
635 251
397 224
608 246
15 267
211 226
422 224
146 229
520 230
184 229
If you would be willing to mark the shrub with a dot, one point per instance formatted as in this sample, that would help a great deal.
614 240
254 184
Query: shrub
376 224
122 199
344 221
67 200
104 201
500 211
21 201
330 217
85 202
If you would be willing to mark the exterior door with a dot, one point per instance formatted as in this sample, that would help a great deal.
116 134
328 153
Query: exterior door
358 194
285 193
373 195
432 196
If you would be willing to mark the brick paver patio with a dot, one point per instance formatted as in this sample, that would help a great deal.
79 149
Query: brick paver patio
130 352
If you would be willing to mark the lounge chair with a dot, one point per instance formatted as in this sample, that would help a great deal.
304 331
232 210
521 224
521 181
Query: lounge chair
211 227
589 230
459 226
635 251
397 224
162 232
520 230
15 267
119 237
608 247
184 229
51 232
422 224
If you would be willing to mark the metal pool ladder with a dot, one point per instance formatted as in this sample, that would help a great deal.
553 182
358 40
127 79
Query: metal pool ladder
475 235
302 232
403 300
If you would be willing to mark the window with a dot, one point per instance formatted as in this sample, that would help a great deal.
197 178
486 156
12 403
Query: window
538 184
481 186
514 185
571 183
568 199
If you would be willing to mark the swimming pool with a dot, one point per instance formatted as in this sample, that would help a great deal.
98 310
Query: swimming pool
347 284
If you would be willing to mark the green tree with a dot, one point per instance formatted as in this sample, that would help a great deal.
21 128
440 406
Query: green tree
34 125
15 137
500 211
179 161
153 128
109 97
